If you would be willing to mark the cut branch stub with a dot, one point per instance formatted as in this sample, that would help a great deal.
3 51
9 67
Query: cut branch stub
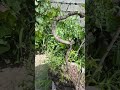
110 46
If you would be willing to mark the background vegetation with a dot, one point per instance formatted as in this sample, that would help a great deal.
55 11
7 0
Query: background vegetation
16 32
17 36
102 22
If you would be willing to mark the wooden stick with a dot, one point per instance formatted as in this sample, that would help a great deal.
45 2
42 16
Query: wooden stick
81 14
108 49
56 36
110 46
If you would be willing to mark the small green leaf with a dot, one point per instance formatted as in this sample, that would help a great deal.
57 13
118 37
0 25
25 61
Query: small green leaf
4 30
4 48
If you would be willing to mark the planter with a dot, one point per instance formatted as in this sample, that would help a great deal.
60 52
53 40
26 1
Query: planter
66 88
91 88
59 84
69 79
61 87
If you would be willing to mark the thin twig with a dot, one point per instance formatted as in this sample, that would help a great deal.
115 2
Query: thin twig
110 46
67 57
78 86
56 36
81 14
81 45
108 49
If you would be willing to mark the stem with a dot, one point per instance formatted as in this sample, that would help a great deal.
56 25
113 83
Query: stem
110 46
81 14
108 49
54 24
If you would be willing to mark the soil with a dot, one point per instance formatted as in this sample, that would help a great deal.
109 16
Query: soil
10 78
65 84
69 79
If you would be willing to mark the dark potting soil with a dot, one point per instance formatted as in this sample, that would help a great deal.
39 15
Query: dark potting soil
63 84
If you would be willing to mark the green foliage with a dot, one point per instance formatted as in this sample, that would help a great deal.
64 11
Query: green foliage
56 60
17 35
68 29
101 17
42 80
13 27
102 79
6 27
44 15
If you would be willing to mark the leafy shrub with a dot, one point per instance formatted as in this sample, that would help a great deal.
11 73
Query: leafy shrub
68 29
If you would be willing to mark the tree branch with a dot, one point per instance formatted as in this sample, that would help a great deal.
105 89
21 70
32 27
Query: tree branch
57 37
110 46
108 49
81 14
54 24
81 46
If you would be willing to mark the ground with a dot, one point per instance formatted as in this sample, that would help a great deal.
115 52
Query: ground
10 78
41 75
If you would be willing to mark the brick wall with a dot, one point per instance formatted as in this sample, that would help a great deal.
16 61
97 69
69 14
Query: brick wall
70 6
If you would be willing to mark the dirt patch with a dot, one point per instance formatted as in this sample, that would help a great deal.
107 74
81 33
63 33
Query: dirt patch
10 78
40 59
